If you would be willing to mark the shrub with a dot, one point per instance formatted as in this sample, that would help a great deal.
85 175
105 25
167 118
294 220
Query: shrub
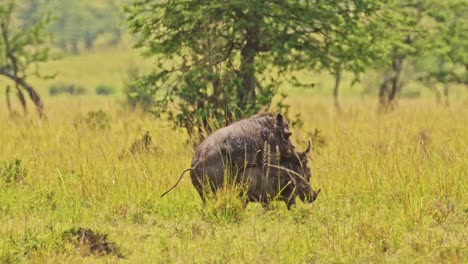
138 95
12 172
64 88
105 89
410 94
95 120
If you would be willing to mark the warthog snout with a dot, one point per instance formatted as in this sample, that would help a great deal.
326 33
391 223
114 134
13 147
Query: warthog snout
309 196
315 194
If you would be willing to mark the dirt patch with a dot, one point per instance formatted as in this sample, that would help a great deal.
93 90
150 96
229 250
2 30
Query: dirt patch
91 242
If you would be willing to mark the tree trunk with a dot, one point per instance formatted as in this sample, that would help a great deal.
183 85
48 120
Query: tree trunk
21 98
437 93
446 94
117 36
336 90
246 93
29 89
391 84
8 101
383 90
89 41
12 72
397 66
74 47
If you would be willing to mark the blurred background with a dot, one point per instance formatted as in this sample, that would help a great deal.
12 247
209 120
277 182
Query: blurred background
92 53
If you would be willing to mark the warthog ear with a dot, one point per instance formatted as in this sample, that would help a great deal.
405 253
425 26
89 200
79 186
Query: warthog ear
285 133
279 119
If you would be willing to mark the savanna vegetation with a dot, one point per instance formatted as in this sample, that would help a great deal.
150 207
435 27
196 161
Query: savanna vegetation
385 108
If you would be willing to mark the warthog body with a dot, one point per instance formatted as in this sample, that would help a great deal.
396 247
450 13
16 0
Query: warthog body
229 150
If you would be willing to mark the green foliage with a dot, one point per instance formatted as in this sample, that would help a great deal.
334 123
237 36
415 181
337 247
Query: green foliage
95 120
446 62
23 46
219 61
138 95
25 41
23 247
78 24
450 31
64 88
428 35
12 172
105 89
318 140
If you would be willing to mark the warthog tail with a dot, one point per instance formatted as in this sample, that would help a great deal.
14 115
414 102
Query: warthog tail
180 178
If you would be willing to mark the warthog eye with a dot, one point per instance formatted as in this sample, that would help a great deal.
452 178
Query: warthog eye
285 135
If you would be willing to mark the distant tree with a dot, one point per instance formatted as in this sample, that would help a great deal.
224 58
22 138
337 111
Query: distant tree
114 22
22 47
221 60
447 62
77 24
422 29
405 36
354 49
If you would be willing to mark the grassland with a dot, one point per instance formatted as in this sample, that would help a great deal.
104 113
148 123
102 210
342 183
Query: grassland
394 186
394 189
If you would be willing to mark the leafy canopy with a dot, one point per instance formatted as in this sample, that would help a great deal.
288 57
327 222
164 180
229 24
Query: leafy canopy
22 47
217 61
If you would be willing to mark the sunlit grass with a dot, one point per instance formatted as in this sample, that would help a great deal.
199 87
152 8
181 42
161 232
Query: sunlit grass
393 189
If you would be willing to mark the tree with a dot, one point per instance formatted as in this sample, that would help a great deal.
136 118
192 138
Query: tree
221 60
405 36
22 47
428 30
354 49
77 24
448 60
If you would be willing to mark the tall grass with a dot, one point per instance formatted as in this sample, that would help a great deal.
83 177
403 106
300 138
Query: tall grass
394 188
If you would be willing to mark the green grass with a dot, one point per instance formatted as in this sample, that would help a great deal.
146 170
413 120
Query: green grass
394 186
394 189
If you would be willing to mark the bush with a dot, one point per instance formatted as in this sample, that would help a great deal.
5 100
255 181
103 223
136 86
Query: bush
64 88
98 120
104 89
138 95
12 172
410 94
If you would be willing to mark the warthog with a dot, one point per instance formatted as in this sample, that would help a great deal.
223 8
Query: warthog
230 149
245 148
282 182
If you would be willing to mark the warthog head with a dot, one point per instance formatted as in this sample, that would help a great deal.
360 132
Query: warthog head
302 176
306 194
